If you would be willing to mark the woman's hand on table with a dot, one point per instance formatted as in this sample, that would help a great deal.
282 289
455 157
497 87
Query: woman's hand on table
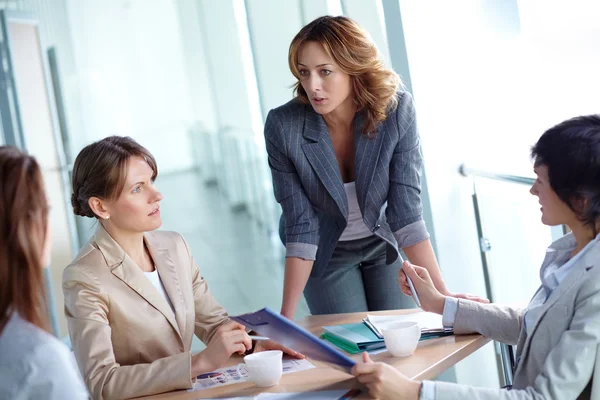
425 284
424 275
431 299
384 381
264 345
468 296
230 338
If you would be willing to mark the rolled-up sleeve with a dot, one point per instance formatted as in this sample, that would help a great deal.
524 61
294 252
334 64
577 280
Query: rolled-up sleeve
405 211
411 234
301 223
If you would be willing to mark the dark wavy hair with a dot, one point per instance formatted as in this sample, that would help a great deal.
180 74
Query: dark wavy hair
571 152
23 228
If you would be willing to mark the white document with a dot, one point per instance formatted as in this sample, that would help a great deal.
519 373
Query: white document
426 320
320 395
230 375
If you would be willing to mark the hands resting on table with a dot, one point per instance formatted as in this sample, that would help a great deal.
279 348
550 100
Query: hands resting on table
382 380
231 338
429 296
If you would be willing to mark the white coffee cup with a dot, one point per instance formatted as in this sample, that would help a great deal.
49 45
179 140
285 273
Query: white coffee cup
402 338
264 368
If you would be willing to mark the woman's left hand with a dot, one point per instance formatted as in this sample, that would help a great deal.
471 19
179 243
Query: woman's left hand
468 296
405 287
384 381
264 345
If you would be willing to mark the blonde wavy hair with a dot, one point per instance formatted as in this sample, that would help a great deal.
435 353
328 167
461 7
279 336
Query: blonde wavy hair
374 86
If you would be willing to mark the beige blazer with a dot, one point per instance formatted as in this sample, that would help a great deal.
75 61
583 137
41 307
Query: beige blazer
559 358
126 338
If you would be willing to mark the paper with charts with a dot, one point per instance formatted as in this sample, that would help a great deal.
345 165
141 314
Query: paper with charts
230 375
318 395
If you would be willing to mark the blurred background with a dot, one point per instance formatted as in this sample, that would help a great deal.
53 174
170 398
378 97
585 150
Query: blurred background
193 81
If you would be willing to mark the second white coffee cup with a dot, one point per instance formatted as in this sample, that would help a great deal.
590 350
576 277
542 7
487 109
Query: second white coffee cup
264 368
402 338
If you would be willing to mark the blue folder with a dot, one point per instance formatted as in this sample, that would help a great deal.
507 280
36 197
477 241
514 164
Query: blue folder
267 322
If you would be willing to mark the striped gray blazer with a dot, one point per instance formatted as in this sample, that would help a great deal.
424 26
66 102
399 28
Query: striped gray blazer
308 184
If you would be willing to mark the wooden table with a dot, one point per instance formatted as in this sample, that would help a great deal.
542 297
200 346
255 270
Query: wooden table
431 358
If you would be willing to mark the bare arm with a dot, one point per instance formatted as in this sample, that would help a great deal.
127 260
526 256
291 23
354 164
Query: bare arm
422 254
297 272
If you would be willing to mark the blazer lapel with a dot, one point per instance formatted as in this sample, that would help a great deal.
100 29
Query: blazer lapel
124 268
366 157
321 156
573 277
168 275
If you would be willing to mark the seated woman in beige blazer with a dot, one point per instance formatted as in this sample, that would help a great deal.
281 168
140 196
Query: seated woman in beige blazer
558 334
134 296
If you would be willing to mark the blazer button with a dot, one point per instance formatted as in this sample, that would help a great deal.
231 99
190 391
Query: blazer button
376 227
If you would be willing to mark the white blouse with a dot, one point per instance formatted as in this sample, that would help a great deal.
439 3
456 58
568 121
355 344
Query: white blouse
154 278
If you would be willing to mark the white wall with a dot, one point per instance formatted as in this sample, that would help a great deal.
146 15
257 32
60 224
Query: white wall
312 9
231 66
236 99
132 75
271 51
201 87
369 14
559 62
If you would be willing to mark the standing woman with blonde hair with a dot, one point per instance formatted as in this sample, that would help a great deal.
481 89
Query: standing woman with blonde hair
346 164
33 363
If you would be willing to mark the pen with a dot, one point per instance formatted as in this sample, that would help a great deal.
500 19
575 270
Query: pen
414 292
412 287
373 328
253 337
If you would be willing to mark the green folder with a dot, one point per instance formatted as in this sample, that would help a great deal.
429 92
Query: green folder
353 338
356 338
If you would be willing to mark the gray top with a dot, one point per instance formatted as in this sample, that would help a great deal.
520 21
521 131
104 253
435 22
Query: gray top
356 228
35 365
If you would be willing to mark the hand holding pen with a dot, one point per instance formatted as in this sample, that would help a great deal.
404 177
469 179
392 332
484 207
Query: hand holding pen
406 284
416 279
413 278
